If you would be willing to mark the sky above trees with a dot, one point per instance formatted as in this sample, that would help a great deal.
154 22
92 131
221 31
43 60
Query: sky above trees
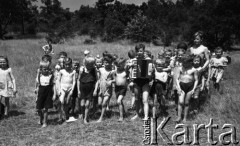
75 4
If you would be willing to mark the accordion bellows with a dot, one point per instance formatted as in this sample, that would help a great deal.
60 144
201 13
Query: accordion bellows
142 68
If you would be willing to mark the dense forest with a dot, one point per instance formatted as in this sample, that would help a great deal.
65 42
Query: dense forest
157 21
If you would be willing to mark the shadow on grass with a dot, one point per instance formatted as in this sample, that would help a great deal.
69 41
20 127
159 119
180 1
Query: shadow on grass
15 113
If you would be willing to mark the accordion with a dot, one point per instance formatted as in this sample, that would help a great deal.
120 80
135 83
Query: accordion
142 68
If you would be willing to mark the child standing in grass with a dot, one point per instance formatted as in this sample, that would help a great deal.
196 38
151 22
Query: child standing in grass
141 88
67 81
201 83
105 84
45 92
158 89
86 86
7 83
121 76
186 81
131 55
48 49
217 66
98 65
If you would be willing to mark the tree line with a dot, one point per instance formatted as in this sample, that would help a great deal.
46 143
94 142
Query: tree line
157 21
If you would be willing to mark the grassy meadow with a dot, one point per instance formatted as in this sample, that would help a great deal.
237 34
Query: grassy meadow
21 127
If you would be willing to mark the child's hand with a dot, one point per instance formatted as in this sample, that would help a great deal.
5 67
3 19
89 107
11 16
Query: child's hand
54 97
79 94
179 91
36 91
192 91
14 92
201 89
109 83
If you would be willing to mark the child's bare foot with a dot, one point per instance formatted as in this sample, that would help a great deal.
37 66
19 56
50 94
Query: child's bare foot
135 117
85 122
120 119
99 121
178 119
40 122
44 125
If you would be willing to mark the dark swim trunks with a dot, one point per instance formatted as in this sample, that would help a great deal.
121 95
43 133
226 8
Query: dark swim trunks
186 87
120 90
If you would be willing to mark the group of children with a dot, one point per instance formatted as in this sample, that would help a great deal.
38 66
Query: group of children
175 75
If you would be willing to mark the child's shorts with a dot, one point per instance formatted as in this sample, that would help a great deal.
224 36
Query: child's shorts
158 88
44 100
120 90
87 90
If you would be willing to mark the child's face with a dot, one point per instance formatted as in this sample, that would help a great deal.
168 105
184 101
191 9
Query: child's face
3 63
180 55
218 53
120 66
108 64
47 51
159 66
98 63
68 66
196 62
140 50
45 70
168 55
197 40
62 56
75 66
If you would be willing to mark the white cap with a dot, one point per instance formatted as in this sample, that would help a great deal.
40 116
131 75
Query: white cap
86 52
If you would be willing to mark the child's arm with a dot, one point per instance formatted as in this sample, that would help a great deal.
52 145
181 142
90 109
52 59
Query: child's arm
37 81
206 53
78 81
74 82
178 74
196 81
13 82
203 83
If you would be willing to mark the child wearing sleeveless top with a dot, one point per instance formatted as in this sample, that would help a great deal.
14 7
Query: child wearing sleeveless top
86 85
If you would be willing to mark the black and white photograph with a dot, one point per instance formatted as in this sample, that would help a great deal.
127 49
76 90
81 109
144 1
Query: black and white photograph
119 72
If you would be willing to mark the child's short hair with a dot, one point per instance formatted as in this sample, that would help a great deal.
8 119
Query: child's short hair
149 54
187 61
105 53
218 49
182 45
44 64
76 62
115 56
120 61
67 61
139 46
131 54
6 59
199 33
108 58
161 61
197 56
89 60
62 54
47 58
